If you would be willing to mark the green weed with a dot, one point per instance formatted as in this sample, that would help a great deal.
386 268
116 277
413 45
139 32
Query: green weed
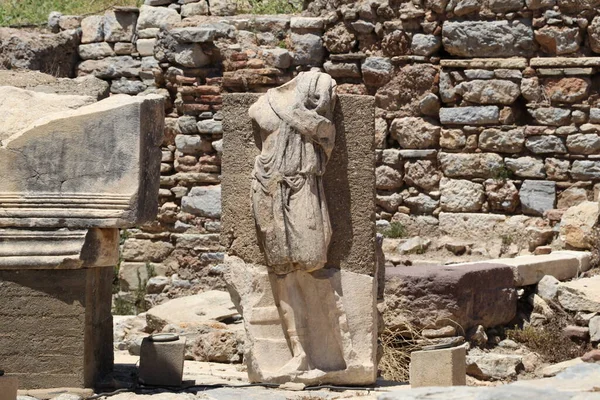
502 174
395 231
269 7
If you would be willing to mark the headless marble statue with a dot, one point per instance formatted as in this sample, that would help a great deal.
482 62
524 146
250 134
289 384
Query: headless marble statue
288 198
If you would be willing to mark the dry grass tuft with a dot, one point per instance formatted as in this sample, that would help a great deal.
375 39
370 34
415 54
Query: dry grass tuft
397 346
549 341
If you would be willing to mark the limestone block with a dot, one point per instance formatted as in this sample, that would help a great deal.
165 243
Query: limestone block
537 196
119 26
94 166
193 34
526 167
444 367
40 306
111 67
583 257
470 115
278 58
342 70
580 295
95 50
192 311
161 363
493 91
528 270
459 195
425 45
585 170
577 223
594 34
558 40
44 83
547 288
155 17
145 47
501 195
571 197
146 250
551 116
92 29
557 170
497 140
192 9
134 275
482 165
306 23
595 329
545 144
377 71
307 49
421 204
422 173
431 296
494 366
203 201
8 387
537 4
567 90
583 143
503 6
13 102
415 133
488 39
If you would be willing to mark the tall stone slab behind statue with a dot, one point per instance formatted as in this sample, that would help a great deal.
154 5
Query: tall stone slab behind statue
339 316
71 174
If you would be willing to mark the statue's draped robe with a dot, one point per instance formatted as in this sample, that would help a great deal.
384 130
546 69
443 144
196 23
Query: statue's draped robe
288 198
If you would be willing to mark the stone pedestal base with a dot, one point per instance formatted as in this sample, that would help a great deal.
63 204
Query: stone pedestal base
444 367
8 388
56 326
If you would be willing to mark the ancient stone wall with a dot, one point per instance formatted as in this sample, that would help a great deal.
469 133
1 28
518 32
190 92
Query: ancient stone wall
487 114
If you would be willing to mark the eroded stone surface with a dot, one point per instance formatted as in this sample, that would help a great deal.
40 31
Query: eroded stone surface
99 169
430 297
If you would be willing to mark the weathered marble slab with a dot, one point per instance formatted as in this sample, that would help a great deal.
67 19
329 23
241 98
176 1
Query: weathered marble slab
97 165
349 183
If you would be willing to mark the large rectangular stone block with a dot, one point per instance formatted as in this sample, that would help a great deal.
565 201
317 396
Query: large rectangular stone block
438 296
56 326
444 367
349 183
8 387
529 270
488 38
83 166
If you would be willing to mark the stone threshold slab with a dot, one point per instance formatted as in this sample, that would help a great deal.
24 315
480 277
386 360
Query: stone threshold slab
565 62
503 63
529 270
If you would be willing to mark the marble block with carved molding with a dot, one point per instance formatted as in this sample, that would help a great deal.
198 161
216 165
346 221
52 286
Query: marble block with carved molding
72 172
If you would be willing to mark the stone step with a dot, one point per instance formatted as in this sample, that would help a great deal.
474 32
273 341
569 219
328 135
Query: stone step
529 270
